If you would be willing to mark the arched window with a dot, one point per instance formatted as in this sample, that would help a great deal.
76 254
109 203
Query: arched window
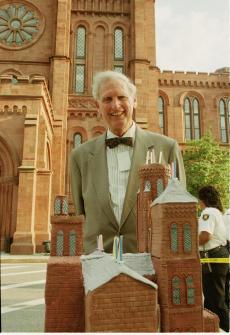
224 112
77 139
60 243
160 186
80 60
147 186
176 294
187 238
187 119
196 119
174 237
191 118
72 243
119 50
161 111
190 290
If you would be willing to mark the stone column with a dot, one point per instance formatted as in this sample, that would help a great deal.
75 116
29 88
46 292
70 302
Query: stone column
60 85
42 209
24 236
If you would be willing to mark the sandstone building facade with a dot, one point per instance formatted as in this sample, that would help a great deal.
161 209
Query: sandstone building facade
49 51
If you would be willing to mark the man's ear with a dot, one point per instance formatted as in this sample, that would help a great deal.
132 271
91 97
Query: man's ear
97 104
135 103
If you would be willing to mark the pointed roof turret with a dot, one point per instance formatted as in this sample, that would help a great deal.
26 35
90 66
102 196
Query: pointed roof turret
174 192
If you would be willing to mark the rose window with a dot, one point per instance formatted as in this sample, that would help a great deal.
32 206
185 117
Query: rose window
20 25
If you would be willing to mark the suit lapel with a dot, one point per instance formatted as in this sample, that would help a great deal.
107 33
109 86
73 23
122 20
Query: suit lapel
139 156
98 166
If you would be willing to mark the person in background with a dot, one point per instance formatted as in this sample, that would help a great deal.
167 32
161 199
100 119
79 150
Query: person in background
212 244
104 170
227 226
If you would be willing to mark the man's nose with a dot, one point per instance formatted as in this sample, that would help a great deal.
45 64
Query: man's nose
115 103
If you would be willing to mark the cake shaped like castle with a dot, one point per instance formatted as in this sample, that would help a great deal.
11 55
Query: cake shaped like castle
157 289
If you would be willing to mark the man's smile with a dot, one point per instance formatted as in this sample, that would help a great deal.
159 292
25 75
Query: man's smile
117 114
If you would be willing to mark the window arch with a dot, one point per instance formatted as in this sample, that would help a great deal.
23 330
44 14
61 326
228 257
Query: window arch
224 115
161 111
77 139
176 294
174 237
80 60
119 50
191 118
190 290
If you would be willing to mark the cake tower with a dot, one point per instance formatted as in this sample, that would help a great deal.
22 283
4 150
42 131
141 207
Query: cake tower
167 228
153 180
174 251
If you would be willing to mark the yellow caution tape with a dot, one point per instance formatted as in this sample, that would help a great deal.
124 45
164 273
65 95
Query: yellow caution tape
215 260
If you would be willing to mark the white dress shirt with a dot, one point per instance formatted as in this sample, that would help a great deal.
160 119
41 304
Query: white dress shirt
119 164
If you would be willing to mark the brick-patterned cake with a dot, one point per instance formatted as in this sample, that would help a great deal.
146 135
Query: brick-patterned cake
157 289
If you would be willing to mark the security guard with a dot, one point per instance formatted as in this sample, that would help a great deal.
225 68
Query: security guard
227 225
212 241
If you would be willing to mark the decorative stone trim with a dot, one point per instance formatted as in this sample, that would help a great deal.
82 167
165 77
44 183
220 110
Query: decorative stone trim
6 109
21 24
82 103
82 107
82 115
108 8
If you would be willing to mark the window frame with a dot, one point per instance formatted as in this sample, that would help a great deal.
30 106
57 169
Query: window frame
119 62
80 61
226 117
191 114
162 112
81 139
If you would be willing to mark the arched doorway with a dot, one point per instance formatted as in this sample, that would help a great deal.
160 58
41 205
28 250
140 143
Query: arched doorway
8 194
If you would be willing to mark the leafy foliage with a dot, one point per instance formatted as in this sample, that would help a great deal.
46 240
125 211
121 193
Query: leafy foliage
206 163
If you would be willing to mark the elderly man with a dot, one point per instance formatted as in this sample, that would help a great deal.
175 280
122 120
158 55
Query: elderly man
104 170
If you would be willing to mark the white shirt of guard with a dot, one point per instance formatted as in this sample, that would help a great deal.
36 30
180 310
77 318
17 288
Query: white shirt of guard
227 223
119 164
211 220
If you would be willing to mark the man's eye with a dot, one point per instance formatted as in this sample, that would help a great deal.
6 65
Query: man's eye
107 99
123 98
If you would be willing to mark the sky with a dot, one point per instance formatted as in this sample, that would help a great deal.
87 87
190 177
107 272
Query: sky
192 35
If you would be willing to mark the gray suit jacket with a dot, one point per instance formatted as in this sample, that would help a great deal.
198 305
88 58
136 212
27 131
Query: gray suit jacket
90 187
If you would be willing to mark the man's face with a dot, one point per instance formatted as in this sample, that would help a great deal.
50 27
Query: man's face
116 106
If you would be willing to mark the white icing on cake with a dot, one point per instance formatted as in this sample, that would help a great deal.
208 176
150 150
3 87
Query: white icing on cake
100 269
140 263
174 192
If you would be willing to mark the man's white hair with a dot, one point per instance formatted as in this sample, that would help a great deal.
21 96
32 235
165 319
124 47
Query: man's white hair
102 77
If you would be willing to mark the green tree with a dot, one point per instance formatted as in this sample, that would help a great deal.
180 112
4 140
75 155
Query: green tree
206 163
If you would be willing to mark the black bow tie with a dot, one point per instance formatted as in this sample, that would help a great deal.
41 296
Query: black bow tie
115 141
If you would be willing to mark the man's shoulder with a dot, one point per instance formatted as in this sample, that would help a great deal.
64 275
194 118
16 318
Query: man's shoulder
88 146
150 135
